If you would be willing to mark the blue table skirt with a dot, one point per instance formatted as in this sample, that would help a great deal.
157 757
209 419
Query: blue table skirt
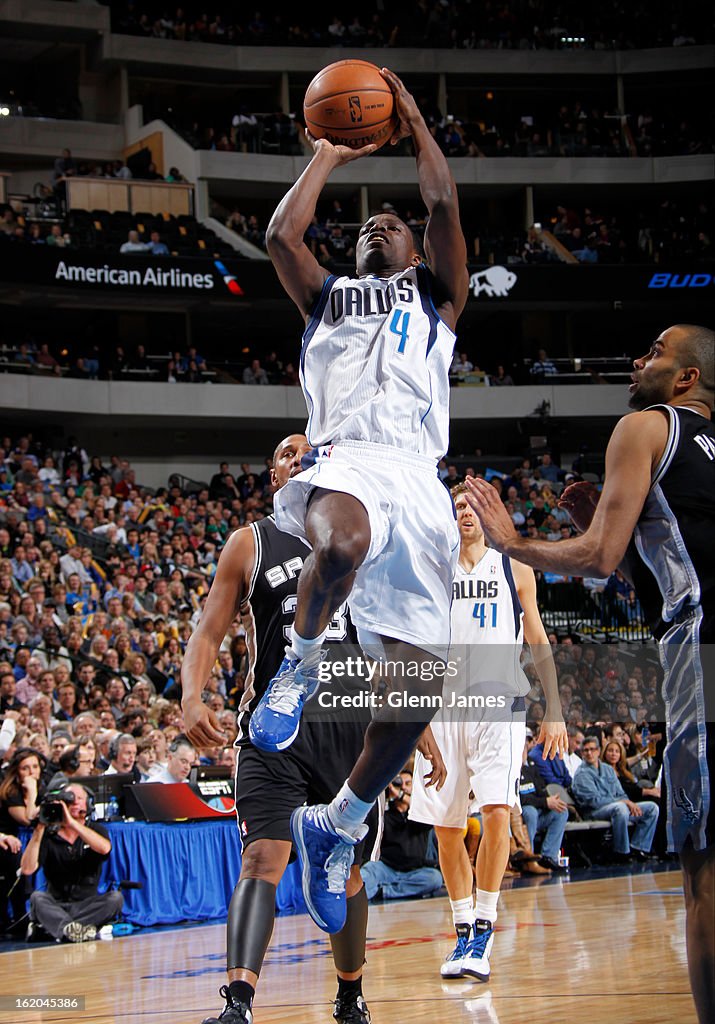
188 871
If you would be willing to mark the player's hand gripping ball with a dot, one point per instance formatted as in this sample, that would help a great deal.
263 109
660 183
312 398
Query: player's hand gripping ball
349 103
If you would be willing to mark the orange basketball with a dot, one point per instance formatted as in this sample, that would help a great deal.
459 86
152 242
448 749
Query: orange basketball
349 103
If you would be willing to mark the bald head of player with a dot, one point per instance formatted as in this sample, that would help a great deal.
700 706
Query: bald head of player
286 458
677 370
385 246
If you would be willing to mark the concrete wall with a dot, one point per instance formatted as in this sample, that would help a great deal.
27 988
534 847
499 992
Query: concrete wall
68 20
31 137
217 404
386 171
305 60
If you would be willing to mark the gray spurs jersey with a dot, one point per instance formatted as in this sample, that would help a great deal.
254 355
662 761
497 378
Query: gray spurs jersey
671 559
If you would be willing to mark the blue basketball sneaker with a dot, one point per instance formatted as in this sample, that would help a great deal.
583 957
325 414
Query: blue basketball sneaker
476 959
326 856
275 722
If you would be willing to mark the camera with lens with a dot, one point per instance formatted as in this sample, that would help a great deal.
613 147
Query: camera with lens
51 806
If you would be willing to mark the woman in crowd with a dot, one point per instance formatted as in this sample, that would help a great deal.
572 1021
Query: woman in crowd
21 791
613 753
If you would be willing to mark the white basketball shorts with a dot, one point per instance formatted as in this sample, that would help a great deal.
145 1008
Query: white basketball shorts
481 757
403 589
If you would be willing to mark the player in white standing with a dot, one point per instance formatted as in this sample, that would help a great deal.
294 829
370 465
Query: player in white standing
375 372
494 610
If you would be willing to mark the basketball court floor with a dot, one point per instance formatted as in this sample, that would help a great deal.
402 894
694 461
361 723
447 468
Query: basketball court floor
605 949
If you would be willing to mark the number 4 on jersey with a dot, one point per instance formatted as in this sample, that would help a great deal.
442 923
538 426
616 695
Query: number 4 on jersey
399 325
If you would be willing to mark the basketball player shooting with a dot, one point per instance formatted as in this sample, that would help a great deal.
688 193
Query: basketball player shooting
654 519
375 373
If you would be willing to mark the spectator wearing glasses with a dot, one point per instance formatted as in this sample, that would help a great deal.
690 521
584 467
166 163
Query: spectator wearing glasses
122 756
179 763
600 795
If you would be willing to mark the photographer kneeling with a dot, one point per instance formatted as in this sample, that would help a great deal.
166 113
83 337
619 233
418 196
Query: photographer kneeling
71 853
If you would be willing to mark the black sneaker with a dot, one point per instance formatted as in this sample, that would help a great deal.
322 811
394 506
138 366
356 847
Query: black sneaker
232 1013
351 1011
551 864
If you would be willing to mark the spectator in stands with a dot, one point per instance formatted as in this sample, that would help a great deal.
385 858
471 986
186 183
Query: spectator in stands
8 222
572 759
290 377
461 365
146 759
71 857
614 754
192 357
244 131
254 234
402 870
255 374
155 245
237 222
600 795
542 366
549 470
541 812
180 760
501 379
36 237
21 791
175 175
337 248
65 166
57 238
133 244
151 173
46 361
122 756
121 171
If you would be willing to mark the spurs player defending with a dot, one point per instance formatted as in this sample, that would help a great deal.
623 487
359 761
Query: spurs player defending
655 518
375 372
493 607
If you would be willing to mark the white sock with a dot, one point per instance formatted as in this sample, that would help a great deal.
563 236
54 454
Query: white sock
348 812
462 911
302 647
486 909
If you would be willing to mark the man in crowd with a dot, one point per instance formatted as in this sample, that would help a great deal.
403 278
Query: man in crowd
541 812
179 764
402 869
71 854
600 795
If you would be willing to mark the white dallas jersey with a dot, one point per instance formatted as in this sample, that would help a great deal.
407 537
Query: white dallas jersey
374 364
488 625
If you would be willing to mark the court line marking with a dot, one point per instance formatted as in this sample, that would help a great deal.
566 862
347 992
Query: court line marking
431 998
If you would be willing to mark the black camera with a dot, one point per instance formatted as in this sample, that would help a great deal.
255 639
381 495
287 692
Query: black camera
51 806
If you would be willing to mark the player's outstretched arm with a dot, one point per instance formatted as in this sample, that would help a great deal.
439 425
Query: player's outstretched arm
636 446
228 591
300 273
445 247
553 729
